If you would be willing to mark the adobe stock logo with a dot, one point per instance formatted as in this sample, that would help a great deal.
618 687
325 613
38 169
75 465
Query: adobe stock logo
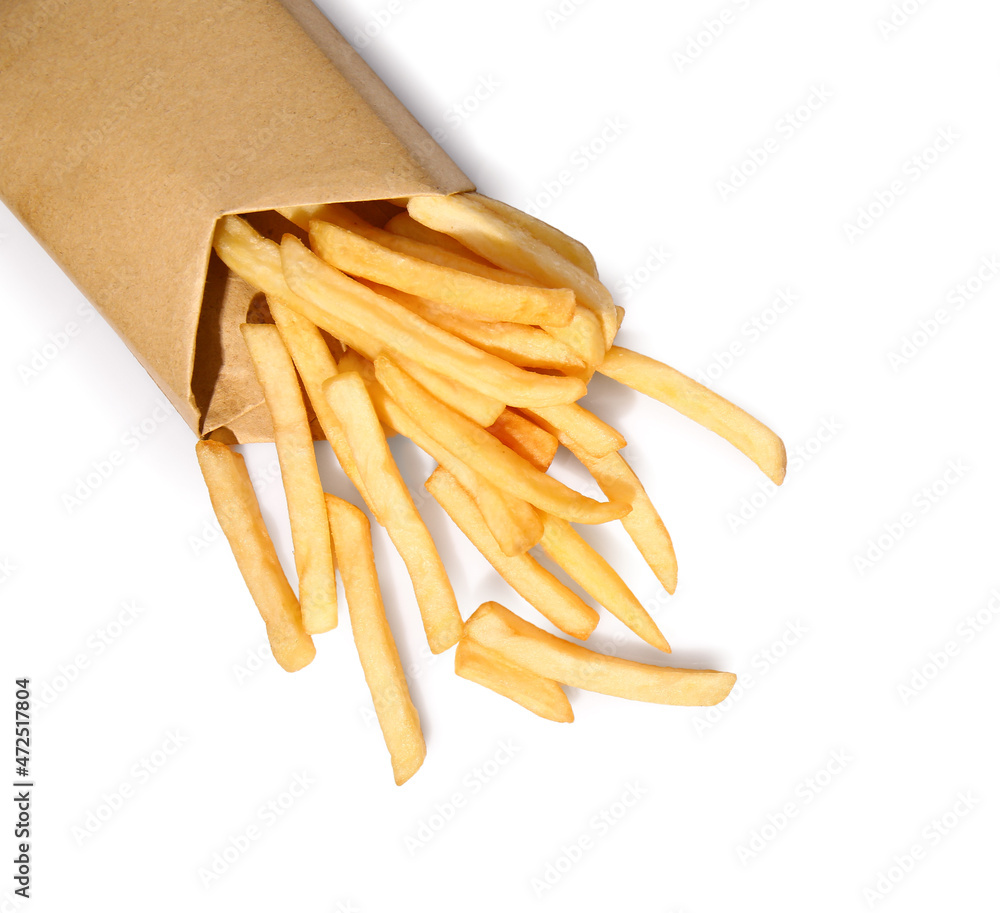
712 29
785 128
921 504
914 169
898 17
932 835
581 159
956 298
375 25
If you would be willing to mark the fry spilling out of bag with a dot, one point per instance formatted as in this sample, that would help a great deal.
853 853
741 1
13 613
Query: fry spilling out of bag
294 260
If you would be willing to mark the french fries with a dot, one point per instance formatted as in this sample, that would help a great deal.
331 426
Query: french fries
514 523
375 644
315 365
483 410
541 696
687 396
472 329
404 225
584 564
484 299
393 328
526 347
500 465
350 402
299 476
643 524
522 644
506 243
525 438
572 425
236 508
526 576
569 247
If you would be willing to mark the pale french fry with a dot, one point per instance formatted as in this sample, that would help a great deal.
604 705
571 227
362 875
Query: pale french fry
236 507
481 229
529 647
643 524
373 638
571 423
526 576
482 409
340 215
406 226
328 212
314 559
524 346
257 260
584 564
497 463
569 247
316 365
541 696
514 523
484 299
388 326
687 396
584 336
394 506
525 438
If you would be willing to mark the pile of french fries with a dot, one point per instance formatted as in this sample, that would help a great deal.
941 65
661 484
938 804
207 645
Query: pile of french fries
472 329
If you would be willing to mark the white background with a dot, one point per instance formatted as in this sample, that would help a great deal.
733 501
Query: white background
743 808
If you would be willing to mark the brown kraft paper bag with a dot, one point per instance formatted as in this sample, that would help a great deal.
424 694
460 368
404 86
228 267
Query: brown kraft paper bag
128 127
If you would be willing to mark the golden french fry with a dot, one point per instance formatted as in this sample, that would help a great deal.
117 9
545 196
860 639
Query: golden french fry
257 260
484 299
524 346
514 523
339 215
584 564
406 226
525 438
302 334
328 212
571 423
554 600
394 507
508 245
314 559
316 365
643 524
236 507
529 647
540 695
584 336
569 247
386 326
497 463
482 409
687 396
373 638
